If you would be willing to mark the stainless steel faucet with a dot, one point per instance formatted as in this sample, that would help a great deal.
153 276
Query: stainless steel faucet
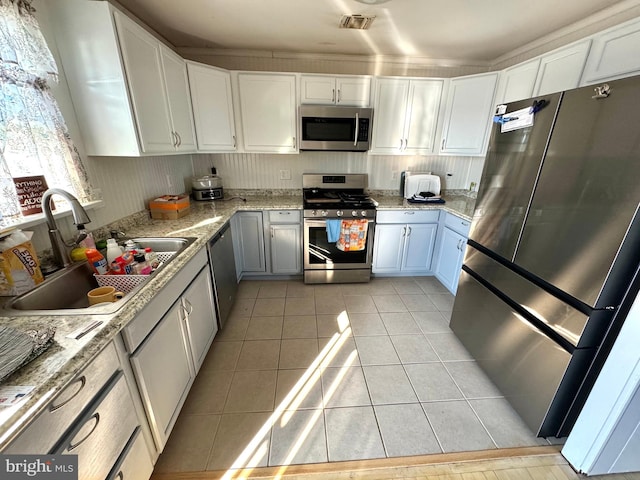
80 217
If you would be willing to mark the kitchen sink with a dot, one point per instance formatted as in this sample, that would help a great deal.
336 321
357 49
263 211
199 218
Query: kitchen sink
65 292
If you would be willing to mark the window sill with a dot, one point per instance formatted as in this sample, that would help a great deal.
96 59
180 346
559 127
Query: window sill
39 218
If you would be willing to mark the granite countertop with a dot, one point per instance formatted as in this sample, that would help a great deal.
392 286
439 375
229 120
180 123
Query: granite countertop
57 366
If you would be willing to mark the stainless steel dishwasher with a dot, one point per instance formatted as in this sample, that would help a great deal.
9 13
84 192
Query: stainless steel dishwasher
223 271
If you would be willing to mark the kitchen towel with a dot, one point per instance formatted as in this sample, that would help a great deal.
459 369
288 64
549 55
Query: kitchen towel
353 235
333 230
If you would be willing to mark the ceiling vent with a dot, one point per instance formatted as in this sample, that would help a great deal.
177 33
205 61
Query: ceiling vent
358 22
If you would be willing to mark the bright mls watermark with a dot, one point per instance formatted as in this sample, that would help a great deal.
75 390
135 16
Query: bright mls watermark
50 467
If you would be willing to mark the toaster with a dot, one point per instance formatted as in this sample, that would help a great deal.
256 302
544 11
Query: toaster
413 183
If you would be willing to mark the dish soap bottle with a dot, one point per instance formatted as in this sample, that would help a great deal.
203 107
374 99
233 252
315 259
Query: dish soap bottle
113 250
97 262
88 241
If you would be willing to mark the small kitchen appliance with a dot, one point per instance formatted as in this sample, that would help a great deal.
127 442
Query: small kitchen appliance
206 187
333 198
335 128
416 183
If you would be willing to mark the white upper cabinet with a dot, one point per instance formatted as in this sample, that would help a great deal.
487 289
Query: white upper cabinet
614 54
268 112
129 91
212 108
177 84
143 64
331 90
517 82
405 116
468 115
561 69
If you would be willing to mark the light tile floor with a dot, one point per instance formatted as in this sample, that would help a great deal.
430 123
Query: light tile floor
307 374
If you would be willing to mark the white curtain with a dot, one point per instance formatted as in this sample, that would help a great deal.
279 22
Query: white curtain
34 139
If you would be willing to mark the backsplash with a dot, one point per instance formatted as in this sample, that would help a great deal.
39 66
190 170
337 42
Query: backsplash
262 171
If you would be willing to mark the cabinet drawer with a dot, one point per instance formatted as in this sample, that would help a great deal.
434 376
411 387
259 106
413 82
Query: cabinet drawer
41 436
457 224
407 216
135 462
284 216
103 432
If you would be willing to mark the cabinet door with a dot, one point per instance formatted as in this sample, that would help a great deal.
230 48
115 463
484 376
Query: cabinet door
175 74
212 108
286 249
268 108
164 372
200 316
388 247
418 251
449 260
250 239
614 54
517 83
353 91
469 113
317 89
143 66
562 69
390 109
422 116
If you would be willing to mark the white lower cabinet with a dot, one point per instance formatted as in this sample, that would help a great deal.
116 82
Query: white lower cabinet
452 244
248 238
97 417
404 248
268 242
199 316
168 341
164 372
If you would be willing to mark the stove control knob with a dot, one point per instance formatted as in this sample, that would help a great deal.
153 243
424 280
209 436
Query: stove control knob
354 214
324 213
313 212
363 213
339 213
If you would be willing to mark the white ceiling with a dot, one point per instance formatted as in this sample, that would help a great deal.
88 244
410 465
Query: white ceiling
465 31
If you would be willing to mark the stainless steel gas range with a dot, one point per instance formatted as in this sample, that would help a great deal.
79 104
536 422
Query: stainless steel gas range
339 224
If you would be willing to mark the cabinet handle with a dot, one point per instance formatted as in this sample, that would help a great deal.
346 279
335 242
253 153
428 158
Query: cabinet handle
120 475
404 231
175 139
294 142
333 95
96 417
400 145
459 247
179 139
409 213
189 307
271 229
409 234
443 142
338 96
83 381
234 141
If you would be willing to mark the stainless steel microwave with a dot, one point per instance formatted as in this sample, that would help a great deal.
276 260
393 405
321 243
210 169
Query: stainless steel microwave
335 128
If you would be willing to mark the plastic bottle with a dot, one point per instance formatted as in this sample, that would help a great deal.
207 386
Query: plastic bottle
130 246
151 257
113 250
97 262
88 242
141 266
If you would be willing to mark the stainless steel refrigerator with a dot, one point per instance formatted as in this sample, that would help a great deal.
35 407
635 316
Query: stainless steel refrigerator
554 248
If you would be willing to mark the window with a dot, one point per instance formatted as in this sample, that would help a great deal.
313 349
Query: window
34 139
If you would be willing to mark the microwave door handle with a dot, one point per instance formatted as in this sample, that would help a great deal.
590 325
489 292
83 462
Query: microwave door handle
355 141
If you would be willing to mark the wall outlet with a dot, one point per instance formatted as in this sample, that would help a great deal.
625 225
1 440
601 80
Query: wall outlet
394 175
472 187
285 174
169 182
